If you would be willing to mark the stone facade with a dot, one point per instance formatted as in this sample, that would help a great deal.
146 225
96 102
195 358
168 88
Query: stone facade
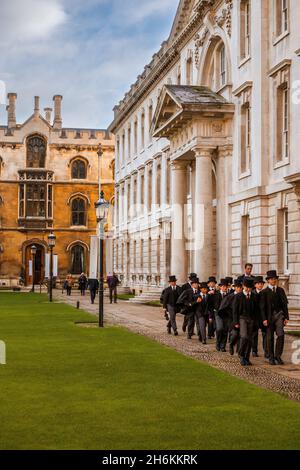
206 142
49 178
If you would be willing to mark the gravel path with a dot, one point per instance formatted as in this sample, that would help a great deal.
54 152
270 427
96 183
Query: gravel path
149 321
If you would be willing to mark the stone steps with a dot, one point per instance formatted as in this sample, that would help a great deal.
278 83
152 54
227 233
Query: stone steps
147 296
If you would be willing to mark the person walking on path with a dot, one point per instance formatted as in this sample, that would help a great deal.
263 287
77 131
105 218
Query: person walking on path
275 316
170 297
69 284
113 282
82 284
93 286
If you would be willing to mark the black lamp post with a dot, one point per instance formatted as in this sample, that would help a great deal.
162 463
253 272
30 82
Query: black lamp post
33 253
102 208
51 245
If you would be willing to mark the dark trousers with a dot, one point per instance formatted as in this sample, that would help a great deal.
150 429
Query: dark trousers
93 295
113 294
246 331
255 336
211 327
202 327
185 322
172 318
82 292
234 338
192 321
275 326
222 329
69 290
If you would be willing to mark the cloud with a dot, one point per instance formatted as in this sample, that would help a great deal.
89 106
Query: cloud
90 52
24 20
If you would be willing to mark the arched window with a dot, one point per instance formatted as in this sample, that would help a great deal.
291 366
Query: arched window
78 212
77 260
215 68
36 152
79 170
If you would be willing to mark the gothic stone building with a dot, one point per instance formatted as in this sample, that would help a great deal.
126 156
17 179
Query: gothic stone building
49 183
207 148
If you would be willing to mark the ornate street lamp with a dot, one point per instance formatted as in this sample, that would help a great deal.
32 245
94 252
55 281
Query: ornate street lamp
102 208
33 253
51 245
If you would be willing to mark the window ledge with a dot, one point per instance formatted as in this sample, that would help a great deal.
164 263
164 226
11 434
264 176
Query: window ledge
245 175
244 61
282 163
280 38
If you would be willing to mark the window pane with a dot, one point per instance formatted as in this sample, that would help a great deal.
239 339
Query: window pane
36 152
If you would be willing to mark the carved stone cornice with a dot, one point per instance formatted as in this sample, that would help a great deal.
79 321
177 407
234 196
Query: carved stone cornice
199 41
224 17
294 180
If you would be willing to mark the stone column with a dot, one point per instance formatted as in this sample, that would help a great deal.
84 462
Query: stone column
178 243
203 213
223 179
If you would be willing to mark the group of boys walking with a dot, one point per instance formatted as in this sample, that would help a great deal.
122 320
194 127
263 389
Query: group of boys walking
231 312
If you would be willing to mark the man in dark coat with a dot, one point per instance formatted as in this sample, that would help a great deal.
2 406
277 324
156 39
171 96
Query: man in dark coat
170 297
229 279
275 316
258 287
212 291
248 272
190 299
234 333
185 287
202 311
113 282
93 285
222 316
243 317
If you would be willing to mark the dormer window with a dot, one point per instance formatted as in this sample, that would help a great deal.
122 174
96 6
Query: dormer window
36 152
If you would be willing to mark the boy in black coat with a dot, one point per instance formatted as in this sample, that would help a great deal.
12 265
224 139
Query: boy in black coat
170 297
275 316
243 317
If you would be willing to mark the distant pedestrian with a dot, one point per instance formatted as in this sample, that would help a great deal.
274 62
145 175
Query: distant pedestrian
93 286
82 284
113 282
69 284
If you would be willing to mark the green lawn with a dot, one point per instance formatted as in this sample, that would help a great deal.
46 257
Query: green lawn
66 387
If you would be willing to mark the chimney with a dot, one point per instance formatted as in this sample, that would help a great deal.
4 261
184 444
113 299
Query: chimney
36 106
48 112
57 123
11 110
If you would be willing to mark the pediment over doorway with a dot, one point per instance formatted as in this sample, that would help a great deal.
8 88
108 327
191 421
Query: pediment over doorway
178 104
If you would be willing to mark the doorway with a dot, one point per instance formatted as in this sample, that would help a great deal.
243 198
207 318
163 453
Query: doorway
39 267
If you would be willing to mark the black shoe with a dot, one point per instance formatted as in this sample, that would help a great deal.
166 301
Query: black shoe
243 362
218 348
223 350
255 354
200 339
272 362
231 350
279 361
169 331
248 362
175 333
267 356
184 328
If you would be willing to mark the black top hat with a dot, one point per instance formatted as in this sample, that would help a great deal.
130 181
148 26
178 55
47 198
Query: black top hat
229 279
272 275
172 279
203 285
248 282
193 276
212 279
259 279
237 283
223 282
194 280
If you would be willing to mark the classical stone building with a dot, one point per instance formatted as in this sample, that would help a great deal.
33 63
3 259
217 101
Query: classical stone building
49 178
207 140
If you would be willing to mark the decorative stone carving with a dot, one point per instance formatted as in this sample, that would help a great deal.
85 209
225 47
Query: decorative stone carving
224 17
199 41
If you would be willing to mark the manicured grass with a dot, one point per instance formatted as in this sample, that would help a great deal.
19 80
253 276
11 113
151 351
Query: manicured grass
66 387
293 333
125 296
154 303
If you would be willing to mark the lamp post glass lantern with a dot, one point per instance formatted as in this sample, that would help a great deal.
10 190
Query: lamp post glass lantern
51 245
33 253
102 208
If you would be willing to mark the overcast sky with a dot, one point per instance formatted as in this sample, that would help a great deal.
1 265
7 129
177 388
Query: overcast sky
90 51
